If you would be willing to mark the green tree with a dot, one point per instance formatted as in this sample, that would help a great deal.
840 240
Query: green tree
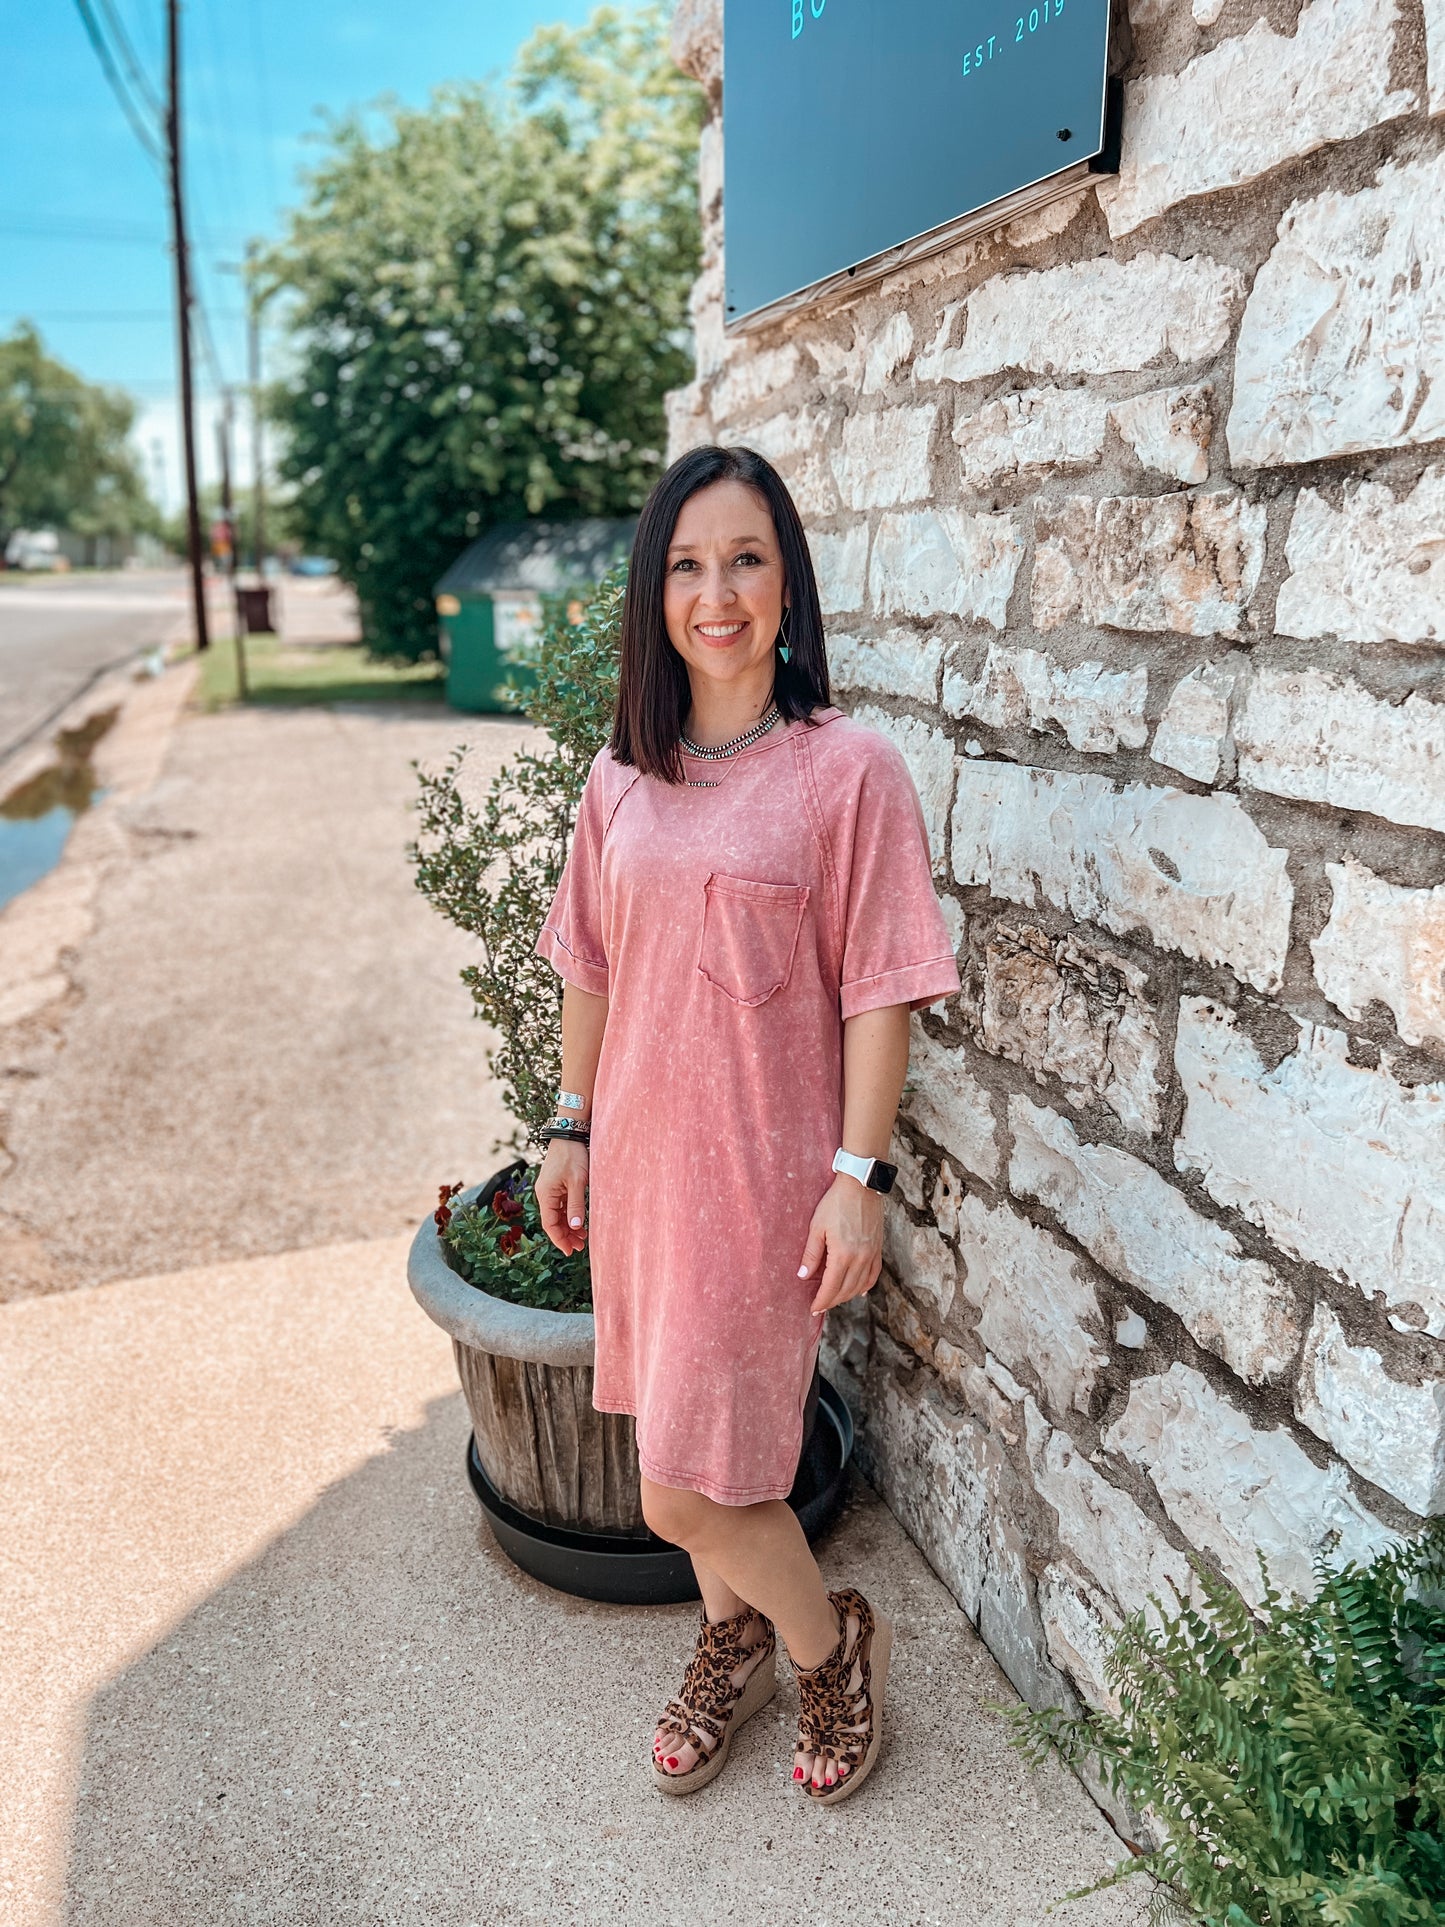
489 303
65 461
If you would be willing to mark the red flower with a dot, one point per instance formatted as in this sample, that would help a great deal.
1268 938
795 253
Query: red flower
509 1240
442 1216
506 1206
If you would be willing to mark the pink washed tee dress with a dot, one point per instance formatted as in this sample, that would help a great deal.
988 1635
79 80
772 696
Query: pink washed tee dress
732 929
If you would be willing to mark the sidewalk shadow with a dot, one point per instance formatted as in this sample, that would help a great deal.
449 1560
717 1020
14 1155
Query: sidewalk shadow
380 1722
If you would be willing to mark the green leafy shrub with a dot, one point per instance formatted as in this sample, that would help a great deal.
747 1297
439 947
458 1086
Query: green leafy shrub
1294 1754
501 1247
494 871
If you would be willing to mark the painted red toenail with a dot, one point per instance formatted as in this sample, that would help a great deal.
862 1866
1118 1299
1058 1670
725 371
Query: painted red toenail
670 1762
797 1773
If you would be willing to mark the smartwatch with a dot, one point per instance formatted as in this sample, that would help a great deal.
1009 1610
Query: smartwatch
873 1172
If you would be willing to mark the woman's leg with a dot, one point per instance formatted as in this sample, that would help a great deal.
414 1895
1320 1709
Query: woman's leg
754 1555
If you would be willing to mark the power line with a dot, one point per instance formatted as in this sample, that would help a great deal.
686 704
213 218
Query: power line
147 135
140 79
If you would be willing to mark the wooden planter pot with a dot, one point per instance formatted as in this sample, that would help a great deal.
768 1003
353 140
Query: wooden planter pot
559 1482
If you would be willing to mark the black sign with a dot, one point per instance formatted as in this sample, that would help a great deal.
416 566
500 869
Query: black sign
852 127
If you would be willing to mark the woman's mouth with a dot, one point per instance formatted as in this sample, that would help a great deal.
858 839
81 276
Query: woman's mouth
719 634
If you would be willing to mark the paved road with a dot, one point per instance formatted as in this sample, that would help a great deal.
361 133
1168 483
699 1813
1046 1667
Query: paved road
57 636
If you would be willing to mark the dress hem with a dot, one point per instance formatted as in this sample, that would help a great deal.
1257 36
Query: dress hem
694 1482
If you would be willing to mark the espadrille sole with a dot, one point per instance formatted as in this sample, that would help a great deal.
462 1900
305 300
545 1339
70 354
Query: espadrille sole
759 1687
877 1680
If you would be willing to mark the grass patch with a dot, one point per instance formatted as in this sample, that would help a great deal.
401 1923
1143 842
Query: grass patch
315 673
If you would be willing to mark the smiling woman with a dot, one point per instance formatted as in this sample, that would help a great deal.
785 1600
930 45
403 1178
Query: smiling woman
745 921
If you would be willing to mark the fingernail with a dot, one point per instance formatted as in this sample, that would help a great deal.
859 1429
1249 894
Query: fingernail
576 1223
802 1271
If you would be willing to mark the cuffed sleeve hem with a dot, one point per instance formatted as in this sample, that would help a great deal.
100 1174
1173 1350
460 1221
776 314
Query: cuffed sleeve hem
916 985
570 967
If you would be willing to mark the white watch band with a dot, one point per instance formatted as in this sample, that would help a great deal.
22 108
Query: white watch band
851 1165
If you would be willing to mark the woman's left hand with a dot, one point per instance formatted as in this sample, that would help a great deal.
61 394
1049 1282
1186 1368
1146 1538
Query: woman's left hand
847 1227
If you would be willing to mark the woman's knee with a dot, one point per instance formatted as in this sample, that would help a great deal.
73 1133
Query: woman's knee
675 1514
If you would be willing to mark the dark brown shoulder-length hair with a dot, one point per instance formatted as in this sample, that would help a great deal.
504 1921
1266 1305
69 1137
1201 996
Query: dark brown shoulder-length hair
653 692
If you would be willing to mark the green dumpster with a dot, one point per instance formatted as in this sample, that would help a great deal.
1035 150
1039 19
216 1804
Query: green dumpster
490 601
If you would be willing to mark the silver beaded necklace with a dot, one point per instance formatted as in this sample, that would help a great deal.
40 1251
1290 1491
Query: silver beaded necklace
731 747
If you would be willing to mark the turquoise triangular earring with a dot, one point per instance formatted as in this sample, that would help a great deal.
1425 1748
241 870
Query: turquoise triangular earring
784 649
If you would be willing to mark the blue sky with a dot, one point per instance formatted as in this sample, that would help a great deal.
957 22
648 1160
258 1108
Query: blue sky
83 215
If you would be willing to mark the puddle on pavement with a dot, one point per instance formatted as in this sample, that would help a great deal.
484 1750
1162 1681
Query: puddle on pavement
36 819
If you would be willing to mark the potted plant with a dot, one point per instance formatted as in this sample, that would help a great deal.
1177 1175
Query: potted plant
558 1480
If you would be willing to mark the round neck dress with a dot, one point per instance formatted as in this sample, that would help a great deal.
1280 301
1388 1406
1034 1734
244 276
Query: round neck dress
733 930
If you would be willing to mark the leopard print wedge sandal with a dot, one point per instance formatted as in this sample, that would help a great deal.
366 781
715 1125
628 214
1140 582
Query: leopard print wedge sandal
711 1706
834 1722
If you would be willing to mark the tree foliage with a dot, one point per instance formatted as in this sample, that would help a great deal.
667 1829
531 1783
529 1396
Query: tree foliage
489 303
65 461
1294 1754
494 870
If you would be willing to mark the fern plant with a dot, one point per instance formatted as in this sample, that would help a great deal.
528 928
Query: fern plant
1294 1753
494 872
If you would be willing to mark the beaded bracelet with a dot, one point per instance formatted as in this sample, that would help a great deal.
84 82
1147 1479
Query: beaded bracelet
578 1134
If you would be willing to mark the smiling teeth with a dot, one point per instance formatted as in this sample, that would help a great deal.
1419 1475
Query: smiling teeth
721 628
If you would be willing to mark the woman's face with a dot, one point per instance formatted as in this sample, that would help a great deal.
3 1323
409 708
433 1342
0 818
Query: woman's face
724 591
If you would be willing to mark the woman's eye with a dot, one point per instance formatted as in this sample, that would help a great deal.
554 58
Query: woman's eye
748 556
683 562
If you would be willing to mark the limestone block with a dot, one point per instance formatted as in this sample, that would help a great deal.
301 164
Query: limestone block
1435 45
1253 102
1193 734
840 563
900 1318
1091 318
946 562
705 305
688 423
1189 563
753 375
1037 1312
1136 1226
949 1105
1170 430
1372 570
1079 1628
898 664
910 1170
1100 1526
944 1202
1391 1432
1065 1008
796 444
1193 872
1344 335
1384 943
930 759
920 1260
1338 1163
1037 431
891 346
1318 736
1231 1488
1096 708
709 166
1206 12
941 1476
883 457
697 40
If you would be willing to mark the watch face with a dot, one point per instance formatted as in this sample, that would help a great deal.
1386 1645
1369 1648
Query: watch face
881 1177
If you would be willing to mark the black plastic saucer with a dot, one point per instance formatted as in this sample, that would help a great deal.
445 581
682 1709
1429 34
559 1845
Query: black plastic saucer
649 1571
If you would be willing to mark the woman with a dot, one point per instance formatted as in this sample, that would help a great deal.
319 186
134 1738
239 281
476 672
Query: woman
745 919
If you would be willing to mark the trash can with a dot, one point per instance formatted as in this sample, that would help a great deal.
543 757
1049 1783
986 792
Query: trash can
253 606
479 653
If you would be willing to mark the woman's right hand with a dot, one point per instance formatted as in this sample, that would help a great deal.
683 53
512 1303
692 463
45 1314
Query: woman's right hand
561 1188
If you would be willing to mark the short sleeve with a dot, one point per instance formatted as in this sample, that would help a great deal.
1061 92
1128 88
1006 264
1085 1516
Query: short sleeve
571 939
896 946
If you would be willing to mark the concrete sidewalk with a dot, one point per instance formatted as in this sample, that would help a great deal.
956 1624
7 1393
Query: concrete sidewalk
264 1665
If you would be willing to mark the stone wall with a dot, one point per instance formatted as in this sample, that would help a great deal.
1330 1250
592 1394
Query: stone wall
1129 520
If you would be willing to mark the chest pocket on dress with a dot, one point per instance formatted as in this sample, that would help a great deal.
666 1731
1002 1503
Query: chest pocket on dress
749 934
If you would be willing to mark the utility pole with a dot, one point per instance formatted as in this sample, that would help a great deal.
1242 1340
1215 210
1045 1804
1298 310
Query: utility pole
253 376
183 306
228 516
